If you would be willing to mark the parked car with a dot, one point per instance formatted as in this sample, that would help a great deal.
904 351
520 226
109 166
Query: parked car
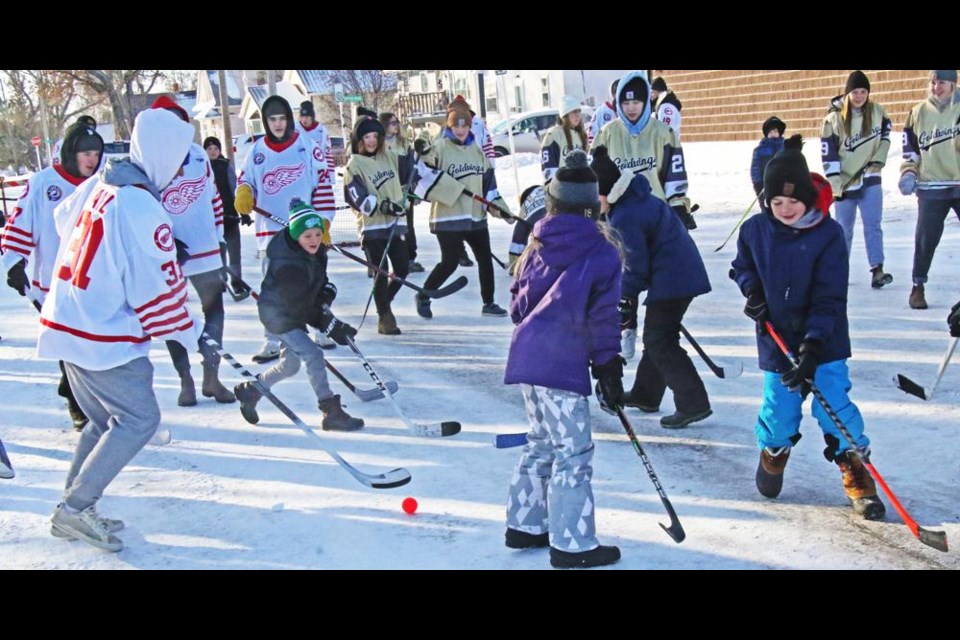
116 149
528 129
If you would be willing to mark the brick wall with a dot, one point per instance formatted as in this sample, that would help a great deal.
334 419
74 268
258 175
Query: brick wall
732 104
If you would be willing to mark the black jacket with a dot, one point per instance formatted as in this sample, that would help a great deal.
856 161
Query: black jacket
291 288
226 179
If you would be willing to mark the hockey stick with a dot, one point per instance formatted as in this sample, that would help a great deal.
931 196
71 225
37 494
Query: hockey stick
364 395
914 389
739 222
442 292
506 215
435 429
935 539
388 480
734 369
675 530
383 263
6 467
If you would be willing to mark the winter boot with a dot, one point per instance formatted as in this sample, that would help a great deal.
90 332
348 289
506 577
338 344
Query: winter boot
465 260
248 395
423 306
770 470
917 299
522 540
628 343
584 560
335 418
493 310
188 392
633 399
879 277
77 416
680 420
416 267
212 387
859 487
387 325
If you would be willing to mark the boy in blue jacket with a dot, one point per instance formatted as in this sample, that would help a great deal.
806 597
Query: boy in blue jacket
773 128
565 307
792 267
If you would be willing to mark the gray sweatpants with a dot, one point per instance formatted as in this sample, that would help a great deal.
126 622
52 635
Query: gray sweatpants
123 414
550 490
296 345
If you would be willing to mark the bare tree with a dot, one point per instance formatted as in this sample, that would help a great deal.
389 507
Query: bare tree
182 79
378 89
118 87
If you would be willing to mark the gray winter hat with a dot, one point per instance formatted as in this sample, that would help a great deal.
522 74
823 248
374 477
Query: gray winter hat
574 187
946 75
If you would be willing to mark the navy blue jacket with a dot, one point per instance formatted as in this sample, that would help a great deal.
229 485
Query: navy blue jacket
661 257
291 287
804 274
764 151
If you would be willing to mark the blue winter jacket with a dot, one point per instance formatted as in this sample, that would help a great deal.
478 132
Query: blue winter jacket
661 257
565 306
804 275
762 154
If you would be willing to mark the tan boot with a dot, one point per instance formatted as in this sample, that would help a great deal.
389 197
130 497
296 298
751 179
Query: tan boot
212 387
859 487
770 471
335 418
387 325
917 299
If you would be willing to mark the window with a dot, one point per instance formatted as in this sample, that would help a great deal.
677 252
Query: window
545 122
518 98
423 83
492 104
545 90
255 125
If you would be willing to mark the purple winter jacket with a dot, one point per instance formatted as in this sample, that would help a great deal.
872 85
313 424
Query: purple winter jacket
565 306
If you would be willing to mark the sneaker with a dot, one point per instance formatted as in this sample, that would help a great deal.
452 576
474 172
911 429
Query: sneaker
269 351
161 437
416 267
585 559
879 278
493 309
917 299
465 261
522 540
628 343
630 400
680 420
87 526
248 395
112 526
324 341
770 470
859 487
423 306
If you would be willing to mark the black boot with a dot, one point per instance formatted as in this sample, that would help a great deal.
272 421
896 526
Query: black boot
521 540
423 306
679 419
335 418
770 471
879 278
77 416
594 558
188 392
248 395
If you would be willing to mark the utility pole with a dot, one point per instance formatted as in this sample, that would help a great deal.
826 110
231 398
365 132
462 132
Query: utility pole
271 83
41 90
225 114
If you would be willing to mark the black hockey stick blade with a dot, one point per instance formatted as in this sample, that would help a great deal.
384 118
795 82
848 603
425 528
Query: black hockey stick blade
935 539
675 530
443 292
911 387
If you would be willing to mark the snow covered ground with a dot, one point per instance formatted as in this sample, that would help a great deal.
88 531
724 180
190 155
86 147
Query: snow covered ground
226 494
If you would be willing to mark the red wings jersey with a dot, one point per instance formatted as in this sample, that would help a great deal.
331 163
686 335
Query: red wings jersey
278 173
319 134
31 233
195 207
670 116
116 281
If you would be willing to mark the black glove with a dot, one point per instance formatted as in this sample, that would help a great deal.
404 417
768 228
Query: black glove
327 294
628 313
839 198
389 208
799 378
609 388
182 254
17 278
953 321
685 216
246 220
421 146
337 330
756 306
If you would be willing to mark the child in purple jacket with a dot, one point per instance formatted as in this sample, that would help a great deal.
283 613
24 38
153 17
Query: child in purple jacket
565 307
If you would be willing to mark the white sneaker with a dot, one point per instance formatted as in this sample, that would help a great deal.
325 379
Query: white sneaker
112 526
161 438
628 343
269 351
86 526
324 341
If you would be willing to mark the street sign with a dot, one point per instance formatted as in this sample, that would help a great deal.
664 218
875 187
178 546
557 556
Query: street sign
338 92
353 98
36 140
500 73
